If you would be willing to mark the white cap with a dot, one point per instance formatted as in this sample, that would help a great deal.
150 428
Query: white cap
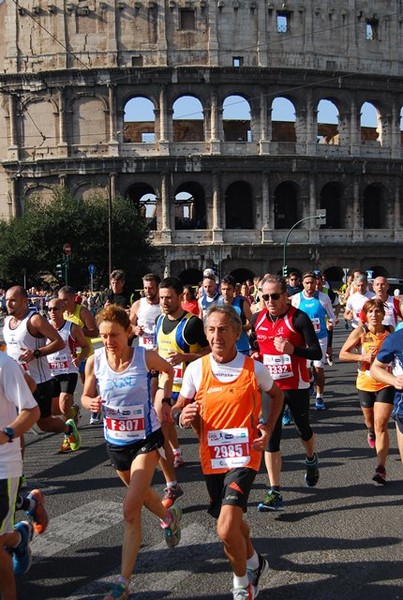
396 292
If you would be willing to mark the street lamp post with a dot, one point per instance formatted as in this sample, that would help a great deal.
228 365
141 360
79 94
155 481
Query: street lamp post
321 220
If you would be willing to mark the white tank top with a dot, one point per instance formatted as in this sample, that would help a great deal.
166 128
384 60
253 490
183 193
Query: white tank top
60 362
127 408
146 317
19 338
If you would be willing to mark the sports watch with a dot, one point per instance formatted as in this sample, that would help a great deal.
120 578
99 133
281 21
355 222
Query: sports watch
9 431
37 353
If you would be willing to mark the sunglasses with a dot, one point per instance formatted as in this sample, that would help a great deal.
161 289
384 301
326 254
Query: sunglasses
267 297
53 308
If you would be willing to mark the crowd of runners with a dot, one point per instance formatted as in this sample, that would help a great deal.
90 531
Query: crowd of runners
236 361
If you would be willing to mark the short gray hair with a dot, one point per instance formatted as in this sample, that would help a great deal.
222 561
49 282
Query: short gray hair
229 311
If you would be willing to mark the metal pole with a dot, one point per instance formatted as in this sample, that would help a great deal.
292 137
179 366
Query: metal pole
110 227
317 216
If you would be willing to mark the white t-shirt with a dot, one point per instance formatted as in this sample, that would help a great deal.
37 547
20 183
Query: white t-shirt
223 372
355 303
14 397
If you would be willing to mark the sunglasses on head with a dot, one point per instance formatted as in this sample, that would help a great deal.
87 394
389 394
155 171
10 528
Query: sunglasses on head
267 297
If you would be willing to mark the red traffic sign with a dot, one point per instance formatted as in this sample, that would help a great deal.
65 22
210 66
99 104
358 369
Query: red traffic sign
67 249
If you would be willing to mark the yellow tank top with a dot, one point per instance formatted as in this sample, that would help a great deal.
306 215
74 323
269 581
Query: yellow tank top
175 342
75 318
371 342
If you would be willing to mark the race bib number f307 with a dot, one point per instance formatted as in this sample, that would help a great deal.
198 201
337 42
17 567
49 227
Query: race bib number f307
125 424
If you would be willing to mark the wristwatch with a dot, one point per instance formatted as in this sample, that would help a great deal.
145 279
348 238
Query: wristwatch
37 353
9 431
166 401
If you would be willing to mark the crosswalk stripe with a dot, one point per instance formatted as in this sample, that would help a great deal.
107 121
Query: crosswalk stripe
163 571
75 526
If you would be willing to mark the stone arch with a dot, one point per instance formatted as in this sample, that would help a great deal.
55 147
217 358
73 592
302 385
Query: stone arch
38 127
190 206
331 199
139 120
242 274
187 119
283 114
334 275
285 205
239 206
88 120
191 276
370 124
375 207
143 195
237 121
327 122
379 271
84 190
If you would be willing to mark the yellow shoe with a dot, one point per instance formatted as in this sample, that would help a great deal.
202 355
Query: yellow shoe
65 447
74 437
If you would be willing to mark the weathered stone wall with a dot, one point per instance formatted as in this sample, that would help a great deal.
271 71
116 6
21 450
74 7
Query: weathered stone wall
68 68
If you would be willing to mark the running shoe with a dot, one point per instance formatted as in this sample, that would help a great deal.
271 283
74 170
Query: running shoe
75 413
371 438
329 360
120 591
272 500
38 513
172 531
178 460
171 494
287 418
243 593
74 437
255 574
22 558
95 418
380 475
319 404
65 447
312 471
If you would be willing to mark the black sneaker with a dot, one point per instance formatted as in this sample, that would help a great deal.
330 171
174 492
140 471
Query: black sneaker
254 575
312 471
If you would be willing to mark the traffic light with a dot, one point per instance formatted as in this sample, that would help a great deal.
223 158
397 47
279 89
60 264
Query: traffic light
59 271
285 270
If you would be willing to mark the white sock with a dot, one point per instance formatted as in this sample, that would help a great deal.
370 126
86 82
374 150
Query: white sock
171 484
253 561
241 582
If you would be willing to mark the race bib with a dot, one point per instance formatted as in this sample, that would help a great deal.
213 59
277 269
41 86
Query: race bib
147 340
60 366
125 424
279 365
178 375
229 448
316 324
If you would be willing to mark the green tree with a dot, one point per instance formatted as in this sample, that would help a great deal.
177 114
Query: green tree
35 241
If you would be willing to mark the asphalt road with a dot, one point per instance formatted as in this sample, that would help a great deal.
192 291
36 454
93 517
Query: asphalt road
342 539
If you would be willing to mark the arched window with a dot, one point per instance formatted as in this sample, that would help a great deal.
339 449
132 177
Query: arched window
370 124
188 120
237 120
190 206
283 120
331 200
139 121
374 208
285 205
144 196
327 121
239 206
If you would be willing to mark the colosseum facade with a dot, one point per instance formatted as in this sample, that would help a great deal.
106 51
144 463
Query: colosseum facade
216 189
